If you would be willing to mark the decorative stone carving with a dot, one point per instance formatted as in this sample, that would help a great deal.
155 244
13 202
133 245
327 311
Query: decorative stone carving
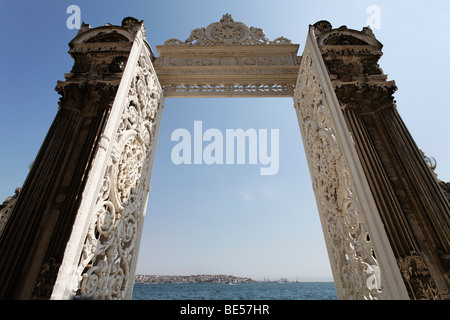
46 278
134 25
321 27
229 89
228 61
414 212
227 58
343 41
227 32
417 277
105 270
95 256
349 246
43 218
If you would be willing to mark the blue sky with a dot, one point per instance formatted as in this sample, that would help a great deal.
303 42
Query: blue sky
224 219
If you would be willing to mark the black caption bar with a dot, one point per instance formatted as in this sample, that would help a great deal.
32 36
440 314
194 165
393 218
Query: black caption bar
222 309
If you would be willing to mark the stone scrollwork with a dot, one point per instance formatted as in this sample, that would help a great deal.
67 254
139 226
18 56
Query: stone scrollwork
227 58
416 275
105 267
348 242
227 89
228 61
227 32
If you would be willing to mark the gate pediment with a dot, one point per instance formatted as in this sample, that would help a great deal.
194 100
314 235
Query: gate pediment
227 59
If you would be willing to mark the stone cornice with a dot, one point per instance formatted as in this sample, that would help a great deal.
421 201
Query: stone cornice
227 59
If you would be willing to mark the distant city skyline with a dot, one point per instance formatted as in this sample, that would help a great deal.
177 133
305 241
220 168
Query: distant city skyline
197 278
224 219
325 278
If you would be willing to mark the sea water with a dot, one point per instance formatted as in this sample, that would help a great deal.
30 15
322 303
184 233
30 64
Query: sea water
239 291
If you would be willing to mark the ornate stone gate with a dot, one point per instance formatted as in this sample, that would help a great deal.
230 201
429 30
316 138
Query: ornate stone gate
74 228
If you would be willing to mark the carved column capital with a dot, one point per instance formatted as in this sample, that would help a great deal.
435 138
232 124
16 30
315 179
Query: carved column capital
41 221
356 241
414 210
366 97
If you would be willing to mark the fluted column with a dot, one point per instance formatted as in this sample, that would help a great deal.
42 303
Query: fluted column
23 232
34 239
404 243
100 256
361 257
423 202
412 205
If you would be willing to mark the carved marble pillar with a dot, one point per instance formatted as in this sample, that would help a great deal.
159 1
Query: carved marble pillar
413 207
99 260
35 239
361 257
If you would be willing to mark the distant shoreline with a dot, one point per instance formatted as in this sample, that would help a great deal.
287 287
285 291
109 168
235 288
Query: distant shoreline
210 278
199 278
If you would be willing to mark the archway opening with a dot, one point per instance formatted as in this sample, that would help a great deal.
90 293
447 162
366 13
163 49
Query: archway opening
229 218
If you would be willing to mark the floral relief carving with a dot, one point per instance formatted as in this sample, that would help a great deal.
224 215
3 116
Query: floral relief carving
417 277
105 265
231 61
227 32
237 71
348 242
288 89
251 62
